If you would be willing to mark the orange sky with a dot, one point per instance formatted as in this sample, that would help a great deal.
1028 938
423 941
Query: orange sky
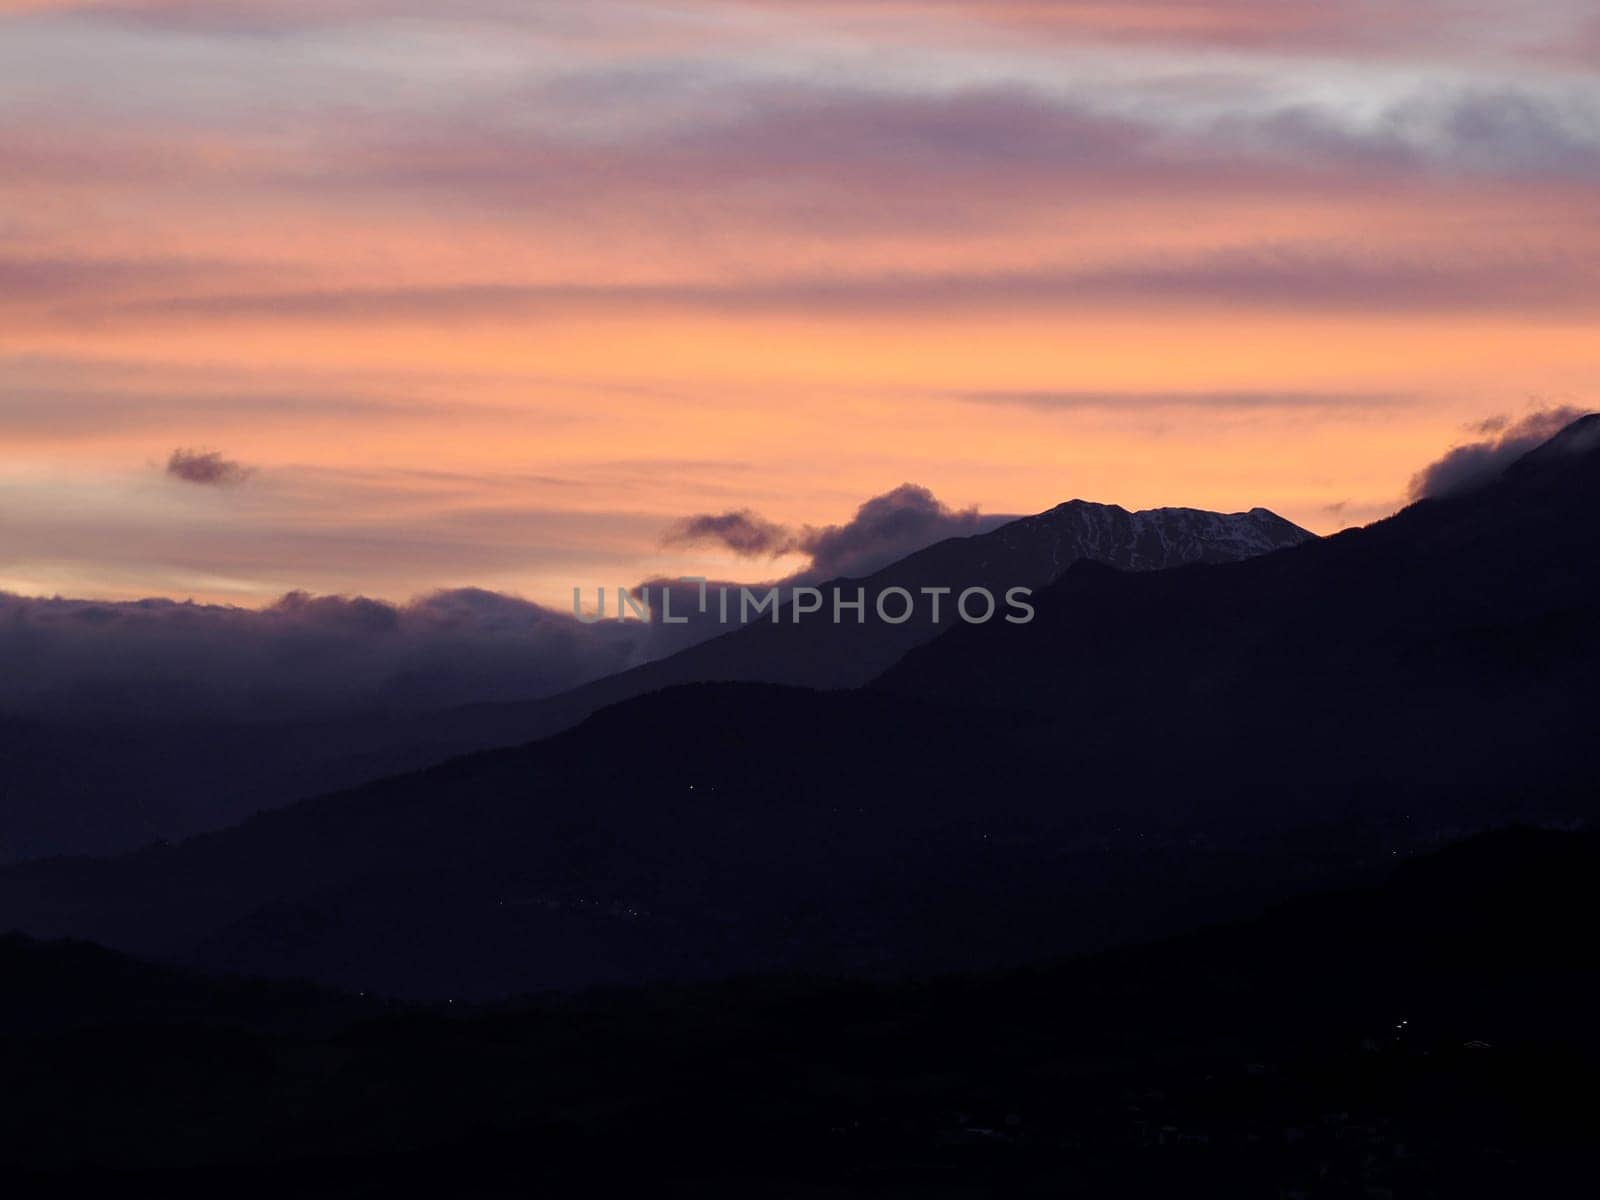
494 298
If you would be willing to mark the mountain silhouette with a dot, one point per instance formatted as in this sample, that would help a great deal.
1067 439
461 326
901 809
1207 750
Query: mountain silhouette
1152 751
98 787
1457 639
1031 552
817 652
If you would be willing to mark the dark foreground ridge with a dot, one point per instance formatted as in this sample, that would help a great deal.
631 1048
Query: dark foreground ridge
1432 1037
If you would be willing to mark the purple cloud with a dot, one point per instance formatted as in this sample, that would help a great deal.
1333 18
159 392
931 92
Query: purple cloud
743 532
303 656
1503 440
1240 24
327 655
207 468
885 528
1312 278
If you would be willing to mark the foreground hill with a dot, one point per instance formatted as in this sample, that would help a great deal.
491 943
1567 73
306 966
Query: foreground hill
1431 1035
94 787
62 988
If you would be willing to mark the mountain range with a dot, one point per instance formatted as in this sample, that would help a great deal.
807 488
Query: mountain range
1153 750
102 786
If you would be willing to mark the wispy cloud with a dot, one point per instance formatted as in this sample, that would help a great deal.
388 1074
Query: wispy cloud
1309 278
742 532
1078 401
1261 25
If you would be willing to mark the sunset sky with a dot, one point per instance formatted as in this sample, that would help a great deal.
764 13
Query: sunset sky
496 292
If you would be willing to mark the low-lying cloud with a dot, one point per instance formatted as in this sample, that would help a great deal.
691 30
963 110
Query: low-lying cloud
302 657
1501 441
314 657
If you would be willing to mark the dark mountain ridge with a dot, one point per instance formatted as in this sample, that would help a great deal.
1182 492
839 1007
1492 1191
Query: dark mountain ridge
1153 750
1466 624
91 787
1030 552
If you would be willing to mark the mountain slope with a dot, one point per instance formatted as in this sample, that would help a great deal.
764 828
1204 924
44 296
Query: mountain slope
1154 749
685 834
92 788
1029 552
1481 599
